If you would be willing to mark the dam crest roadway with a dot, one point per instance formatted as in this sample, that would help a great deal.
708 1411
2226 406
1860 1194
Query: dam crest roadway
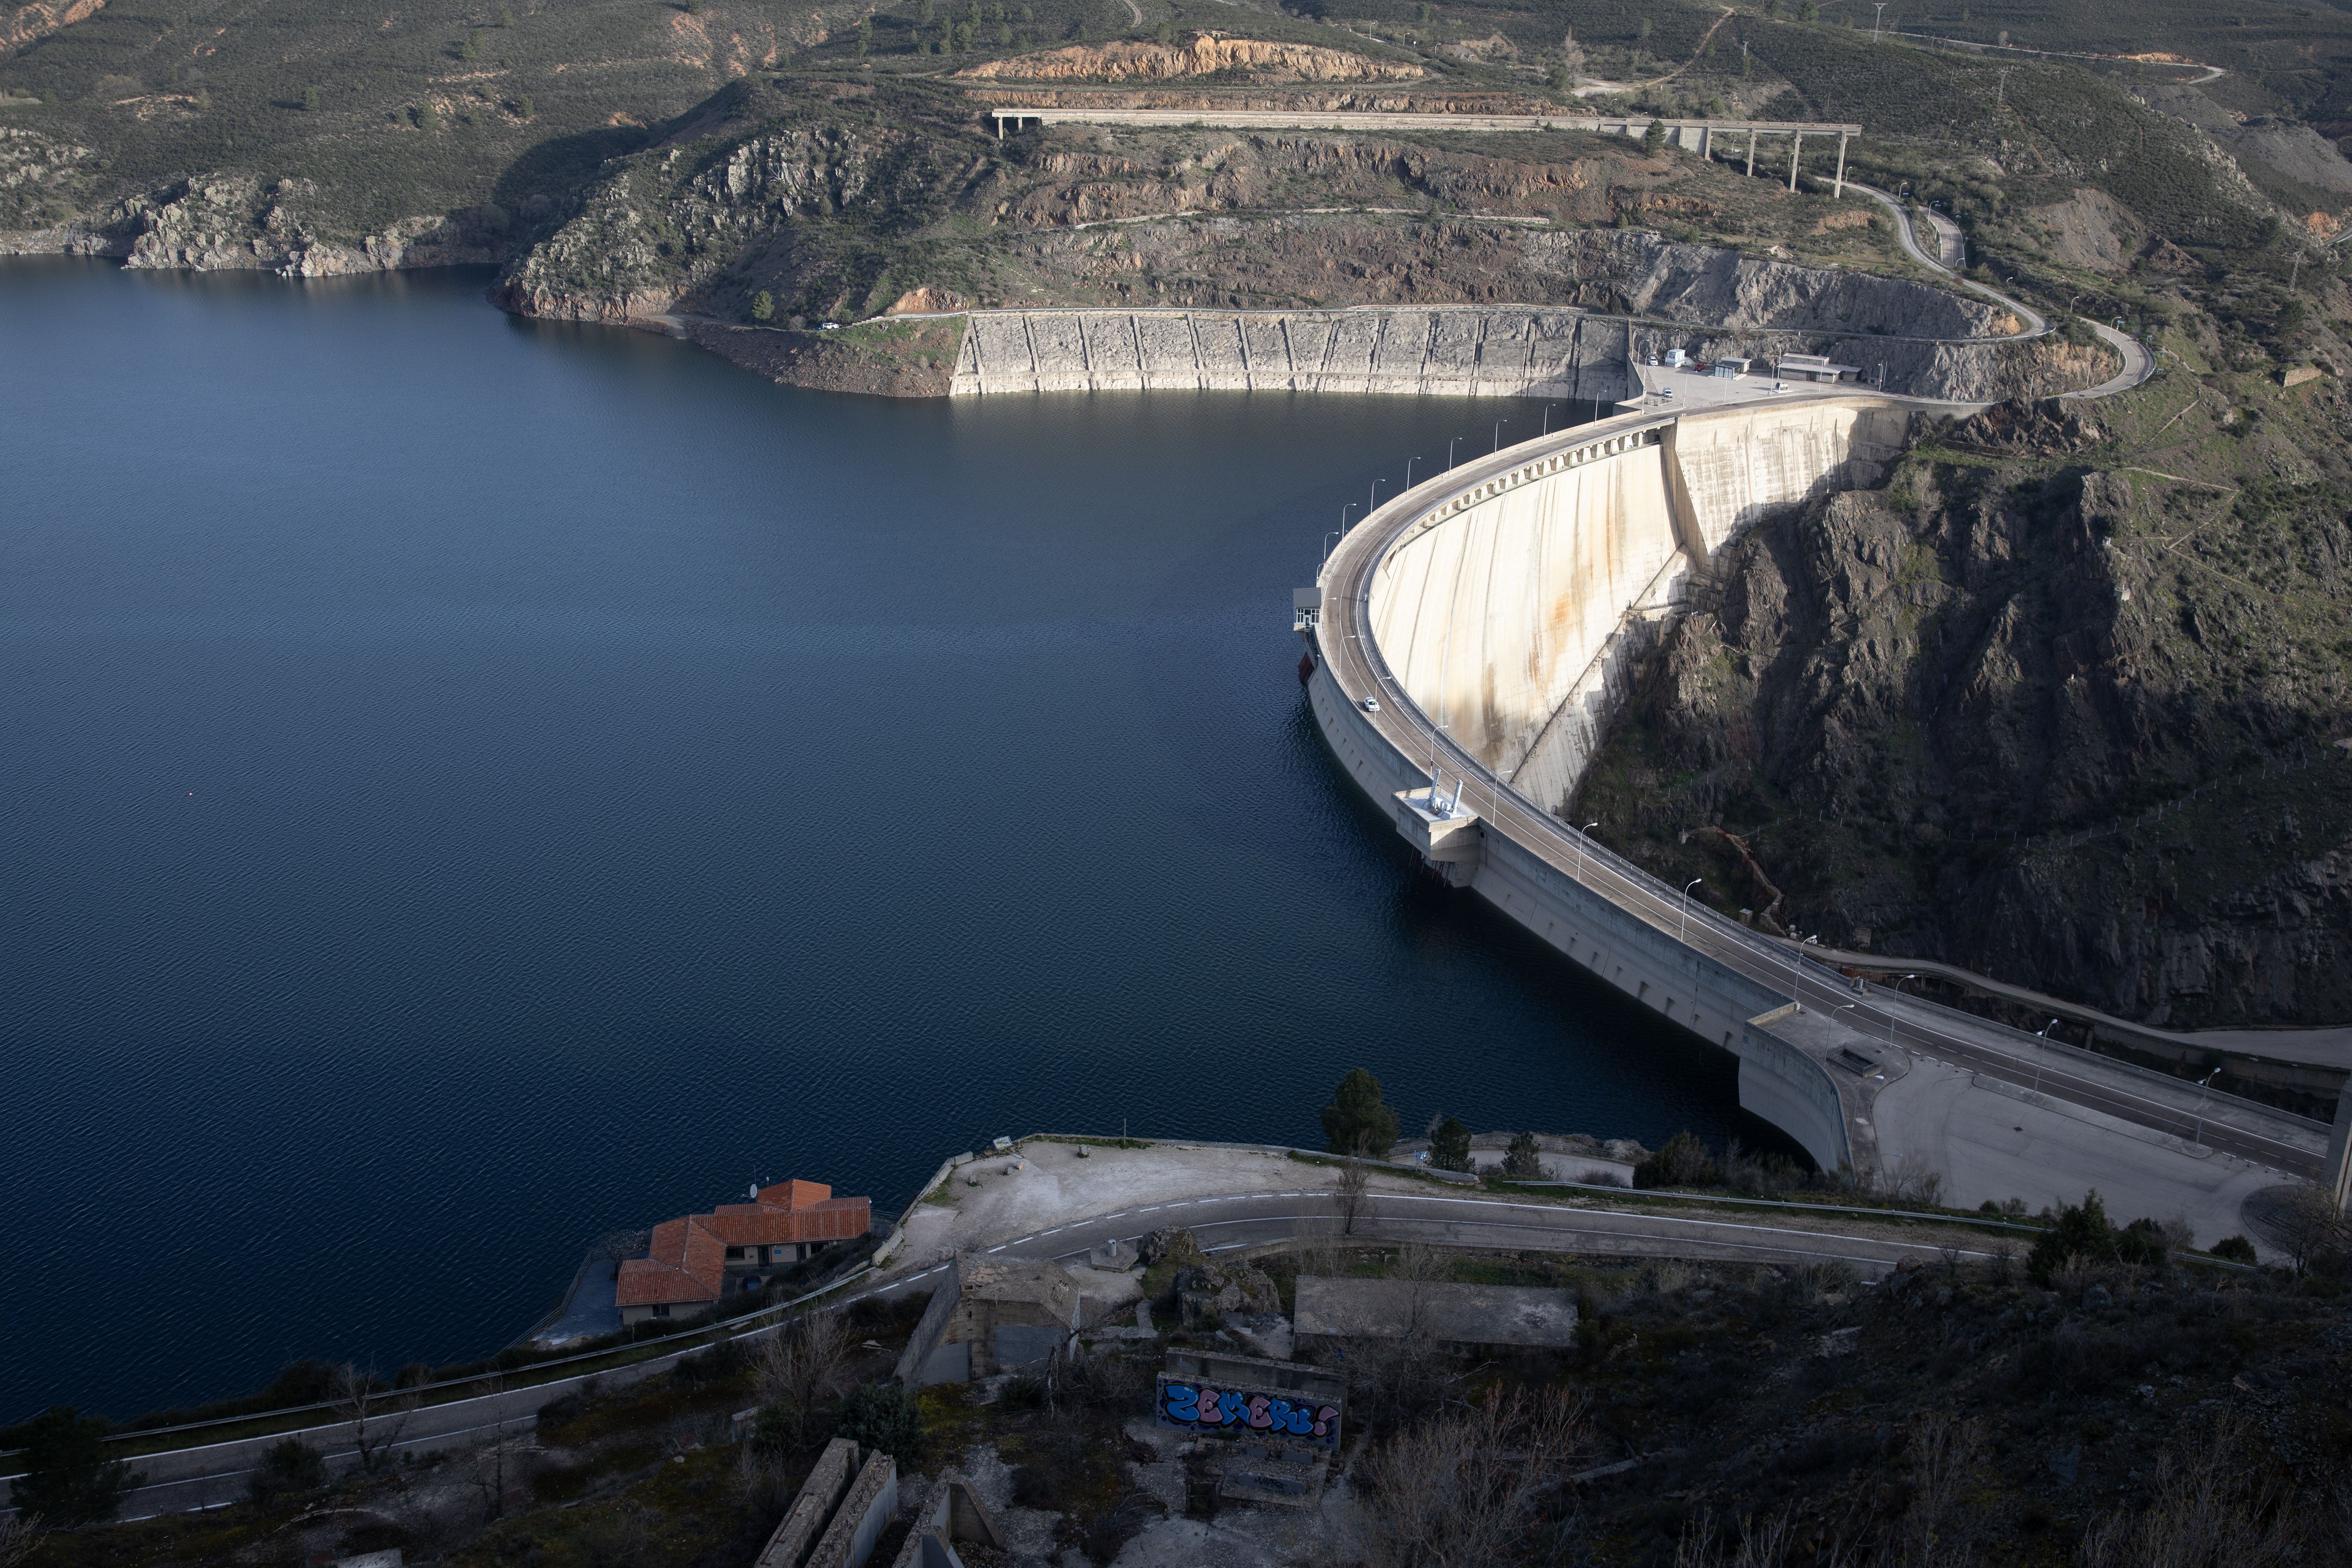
1469 641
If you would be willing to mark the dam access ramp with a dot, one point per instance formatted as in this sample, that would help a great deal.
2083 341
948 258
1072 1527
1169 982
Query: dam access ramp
1469 642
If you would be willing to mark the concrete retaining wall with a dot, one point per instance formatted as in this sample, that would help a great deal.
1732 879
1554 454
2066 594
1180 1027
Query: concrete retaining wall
1452 353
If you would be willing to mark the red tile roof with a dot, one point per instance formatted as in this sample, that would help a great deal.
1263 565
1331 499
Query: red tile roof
687 1261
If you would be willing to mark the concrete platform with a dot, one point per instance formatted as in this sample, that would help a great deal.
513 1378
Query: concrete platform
1993 1141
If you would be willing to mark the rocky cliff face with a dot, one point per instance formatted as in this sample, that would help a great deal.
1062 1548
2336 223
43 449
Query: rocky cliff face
240 221
1991 714
232 222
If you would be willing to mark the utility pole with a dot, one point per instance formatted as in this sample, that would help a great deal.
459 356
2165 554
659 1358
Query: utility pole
2293 272
2000 87
1873 20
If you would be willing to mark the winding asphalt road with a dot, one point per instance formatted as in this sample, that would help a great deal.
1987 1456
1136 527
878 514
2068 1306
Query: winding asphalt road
2138 364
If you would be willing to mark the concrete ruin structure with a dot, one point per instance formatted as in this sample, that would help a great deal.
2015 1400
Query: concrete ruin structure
1274 1426
988 1316
848 1499
950 1512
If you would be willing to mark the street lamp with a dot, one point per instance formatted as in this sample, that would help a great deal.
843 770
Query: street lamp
1582 834
1343 516
1546 419
1449 452
1409 462
1683 926
1375 498
1327 538
2198 1135
1498 432
2041 1034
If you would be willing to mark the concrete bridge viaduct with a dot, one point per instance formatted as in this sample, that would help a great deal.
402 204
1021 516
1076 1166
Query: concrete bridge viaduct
1469 640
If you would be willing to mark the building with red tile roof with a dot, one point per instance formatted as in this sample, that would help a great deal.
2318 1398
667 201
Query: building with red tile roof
695 1260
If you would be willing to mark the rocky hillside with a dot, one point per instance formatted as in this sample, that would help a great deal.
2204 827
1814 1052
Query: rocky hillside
2061 703
838 204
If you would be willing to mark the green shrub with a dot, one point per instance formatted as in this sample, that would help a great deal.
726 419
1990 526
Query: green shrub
1685 1162
1522 1160
288 1465
68 1479
882 1415
2084 1231
763 306
2236 1248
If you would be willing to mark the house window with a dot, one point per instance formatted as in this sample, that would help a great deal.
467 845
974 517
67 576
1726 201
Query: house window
734 1255
661 1309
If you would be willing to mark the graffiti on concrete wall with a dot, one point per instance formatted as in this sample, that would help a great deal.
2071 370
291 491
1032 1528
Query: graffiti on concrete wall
1241 1412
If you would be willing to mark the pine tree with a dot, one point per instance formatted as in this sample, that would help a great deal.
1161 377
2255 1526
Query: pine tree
1521 1159
1449 1145
310 99
763 306
525 108
1358 1121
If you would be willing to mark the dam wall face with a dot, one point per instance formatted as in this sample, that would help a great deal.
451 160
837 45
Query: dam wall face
1438 352
1499 610
1513 614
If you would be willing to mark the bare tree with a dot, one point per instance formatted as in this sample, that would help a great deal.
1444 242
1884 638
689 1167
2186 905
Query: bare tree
19 1534
1355 1183
800 1364
2217 1506
1468 1489
1943 1453
1761 1545
2309 1226
376 1417
490 1457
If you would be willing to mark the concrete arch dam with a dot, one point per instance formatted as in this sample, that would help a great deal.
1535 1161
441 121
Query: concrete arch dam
1491 617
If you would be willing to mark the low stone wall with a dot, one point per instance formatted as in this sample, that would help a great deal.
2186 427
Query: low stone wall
1513 352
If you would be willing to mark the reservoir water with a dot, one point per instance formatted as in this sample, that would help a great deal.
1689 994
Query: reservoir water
467 786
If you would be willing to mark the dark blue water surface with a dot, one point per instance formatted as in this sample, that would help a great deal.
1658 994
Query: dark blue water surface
469 786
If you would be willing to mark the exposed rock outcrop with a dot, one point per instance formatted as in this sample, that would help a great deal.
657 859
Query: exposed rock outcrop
1963 717
30 24
1196 54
